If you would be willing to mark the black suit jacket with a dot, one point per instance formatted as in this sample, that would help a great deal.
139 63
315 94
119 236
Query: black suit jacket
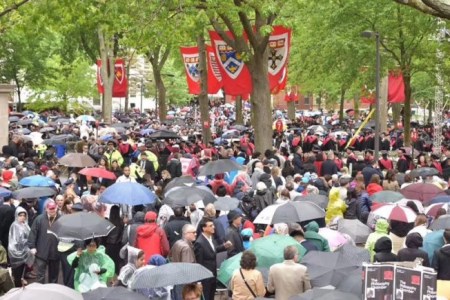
205 255
149 168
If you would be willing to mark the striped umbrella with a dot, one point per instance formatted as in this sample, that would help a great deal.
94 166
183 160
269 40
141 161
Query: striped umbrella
395 212
153 277
434 208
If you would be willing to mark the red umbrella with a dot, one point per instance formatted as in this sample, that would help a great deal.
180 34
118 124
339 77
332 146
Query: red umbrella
391 211
98 172
433 208
424 192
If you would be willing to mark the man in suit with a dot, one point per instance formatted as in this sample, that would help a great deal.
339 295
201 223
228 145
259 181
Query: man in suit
147 166
206 249
288 278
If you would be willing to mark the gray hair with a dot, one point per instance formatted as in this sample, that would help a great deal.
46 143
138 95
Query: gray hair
186 228
290 252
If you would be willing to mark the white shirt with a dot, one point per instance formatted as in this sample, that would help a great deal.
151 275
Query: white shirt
124 178
209 239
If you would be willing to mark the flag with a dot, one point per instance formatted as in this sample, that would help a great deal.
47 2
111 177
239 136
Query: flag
214 75
279 47
396 87
236 77
120 85
281 83
191 66
367 96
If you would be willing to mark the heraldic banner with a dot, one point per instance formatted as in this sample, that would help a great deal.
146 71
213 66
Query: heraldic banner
120 86
396 87
235 74
191 60
214 74
279 48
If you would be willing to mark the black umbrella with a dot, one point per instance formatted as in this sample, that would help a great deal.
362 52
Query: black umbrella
443 222
320 200
169 274
164 134
179 181
77 160
13 119
33 192
424 172
357 230
185 196
81 226
25 122
226 203
219 166
350 284
123 125
46 129
113 293
325 294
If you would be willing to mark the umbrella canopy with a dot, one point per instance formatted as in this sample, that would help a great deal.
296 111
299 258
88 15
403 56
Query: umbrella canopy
146 131
185 196
290 212
81 226
395 212
433 241
179 181
13 119
354 253
440 199
386 197
433 209
37 180
25 122
46 129
129 193
335 238
164 275
5 192
164 134
226 203
326 294
317 129
320 200
98 172
85 118
424 192
39 291
350 283
239 127
424 172
77 160
113 293
328 268
33 192
357 230
219 166
443 222
419 204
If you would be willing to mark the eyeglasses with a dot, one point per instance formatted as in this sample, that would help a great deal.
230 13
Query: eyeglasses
194 232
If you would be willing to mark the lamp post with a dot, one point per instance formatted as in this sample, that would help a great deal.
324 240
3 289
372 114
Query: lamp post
371 34
142 92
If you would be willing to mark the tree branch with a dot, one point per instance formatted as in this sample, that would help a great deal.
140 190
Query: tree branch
425 8
230 42
164 57
13 7
247 25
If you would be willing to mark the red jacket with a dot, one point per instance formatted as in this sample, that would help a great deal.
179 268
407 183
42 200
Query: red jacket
152 240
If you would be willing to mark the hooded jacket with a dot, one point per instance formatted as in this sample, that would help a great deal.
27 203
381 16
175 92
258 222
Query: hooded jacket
129 234
383 249
413 241
152 240
312 234
381 229
127 271
336 206
18 250
441 262
263 198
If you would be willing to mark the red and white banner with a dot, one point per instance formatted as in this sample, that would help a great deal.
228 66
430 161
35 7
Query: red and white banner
214 74
396 87
279 47
235 74
191 60
120 85
367 96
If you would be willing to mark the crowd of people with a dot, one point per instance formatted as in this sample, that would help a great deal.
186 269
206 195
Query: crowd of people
301 163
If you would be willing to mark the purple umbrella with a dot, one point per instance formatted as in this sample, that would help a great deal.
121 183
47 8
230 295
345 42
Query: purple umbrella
424 192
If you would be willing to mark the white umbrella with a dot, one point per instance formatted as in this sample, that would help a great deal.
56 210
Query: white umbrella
416 202
266 215
393 211
39 291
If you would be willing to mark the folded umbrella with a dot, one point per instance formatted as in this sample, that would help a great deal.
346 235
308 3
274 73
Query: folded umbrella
39 291
81 226
443 222
320 200
185 196
424 192
386 197
98 172
357 230
326 294
219 166
169 274
113 293
226 203
37 180
77 160
395 212
33 192
129 193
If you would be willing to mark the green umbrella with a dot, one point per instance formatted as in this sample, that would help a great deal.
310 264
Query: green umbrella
268 250
386 197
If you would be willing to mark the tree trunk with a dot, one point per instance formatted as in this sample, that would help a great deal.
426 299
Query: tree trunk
107 71
203 97
161 91
407 109
319 101
239 116
356 99
341 105
291 110
396 108
260 99
430 111
19 94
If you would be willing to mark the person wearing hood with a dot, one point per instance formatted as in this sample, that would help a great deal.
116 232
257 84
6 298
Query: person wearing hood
381 229
413 242
18 250
441 258
336 206
135 258
312 234
263 196
233 234
151 238
174 227
129 234
383 250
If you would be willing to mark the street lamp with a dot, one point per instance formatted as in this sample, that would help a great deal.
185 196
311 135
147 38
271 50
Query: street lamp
371 34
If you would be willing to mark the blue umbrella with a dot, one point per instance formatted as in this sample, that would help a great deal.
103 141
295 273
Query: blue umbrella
440 199
4 192
107 137
433 241
36 180
146 131
171 112
129 193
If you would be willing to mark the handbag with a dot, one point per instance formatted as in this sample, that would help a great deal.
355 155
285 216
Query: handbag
245 281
